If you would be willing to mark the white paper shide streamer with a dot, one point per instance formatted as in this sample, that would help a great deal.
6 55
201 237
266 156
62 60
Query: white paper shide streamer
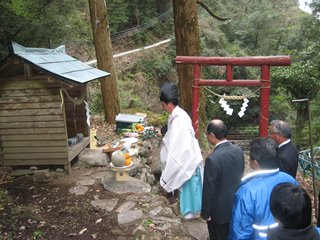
243 108
225 106
223 103
87 112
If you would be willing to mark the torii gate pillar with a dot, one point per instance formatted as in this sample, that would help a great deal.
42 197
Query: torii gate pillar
264 101
229 62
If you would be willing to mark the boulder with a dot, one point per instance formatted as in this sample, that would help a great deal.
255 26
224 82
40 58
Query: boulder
92 157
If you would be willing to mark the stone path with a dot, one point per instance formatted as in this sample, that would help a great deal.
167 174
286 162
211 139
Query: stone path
143 207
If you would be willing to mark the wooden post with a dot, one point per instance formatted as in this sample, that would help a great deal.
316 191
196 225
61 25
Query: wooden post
264 100
196 100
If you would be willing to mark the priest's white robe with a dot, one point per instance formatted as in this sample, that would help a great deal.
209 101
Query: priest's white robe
180 153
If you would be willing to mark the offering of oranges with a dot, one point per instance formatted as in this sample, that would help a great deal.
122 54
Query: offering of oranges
139 127
127 162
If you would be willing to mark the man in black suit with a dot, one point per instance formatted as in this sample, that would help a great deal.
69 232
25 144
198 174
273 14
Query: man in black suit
223 170
288 154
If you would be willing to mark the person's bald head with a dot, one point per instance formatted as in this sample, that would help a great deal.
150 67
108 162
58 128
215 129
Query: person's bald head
218 128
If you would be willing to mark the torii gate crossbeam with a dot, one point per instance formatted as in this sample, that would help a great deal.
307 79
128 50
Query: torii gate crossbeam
264 62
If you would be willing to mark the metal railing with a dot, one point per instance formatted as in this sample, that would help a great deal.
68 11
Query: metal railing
305 162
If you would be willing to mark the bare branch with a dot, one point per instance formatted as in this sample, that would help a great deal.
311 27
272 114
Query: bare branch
205 6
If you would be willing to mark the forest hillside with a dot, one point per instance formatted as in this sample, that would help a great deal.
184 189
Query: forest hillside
252 28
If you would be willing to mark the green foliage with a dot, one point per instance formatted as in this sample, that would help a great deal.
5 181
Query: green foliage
213 41
140 38
158 67
147 223
95 97
304 138
139 12
315 6
280 106
116 12
39 23
139 85
301 79
131 93
156 64
4 198
315 126
134 18
261 27
265 27
128 100
38 234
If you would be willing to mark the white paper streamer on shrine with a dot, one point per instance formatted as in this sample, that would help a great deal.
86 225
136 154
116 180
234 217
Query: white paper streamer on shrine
243 108
223 103
225 106
87 112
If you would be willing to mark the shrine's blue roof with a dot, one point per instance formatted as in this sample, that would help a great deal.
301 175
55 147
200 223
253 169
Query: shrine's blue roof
58 63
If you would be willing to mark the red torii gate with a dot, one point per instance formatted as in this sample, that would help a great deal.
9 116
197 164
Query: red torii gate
229 62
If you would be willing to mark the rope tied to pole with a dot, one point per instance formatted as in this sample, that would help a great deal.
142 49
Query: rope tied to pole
76 100
230 97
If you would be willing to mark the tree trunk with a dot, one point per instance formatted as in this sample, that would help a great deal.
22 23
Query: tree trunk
103 48
187 44
134 12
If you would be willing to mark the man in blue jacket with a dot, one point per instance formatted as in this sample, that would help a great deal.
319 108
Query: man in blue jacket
251 213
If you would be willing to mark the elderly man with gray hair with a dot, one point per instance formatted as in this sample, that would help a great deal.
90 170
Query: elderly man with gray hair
288 154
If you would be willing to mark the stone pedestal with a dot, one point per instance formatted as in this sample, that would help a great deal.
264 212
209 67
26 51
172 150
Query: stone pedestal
121 174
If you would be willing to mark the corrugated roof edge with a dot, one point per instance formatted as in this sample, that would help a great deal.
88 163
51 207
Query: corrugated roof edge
19 50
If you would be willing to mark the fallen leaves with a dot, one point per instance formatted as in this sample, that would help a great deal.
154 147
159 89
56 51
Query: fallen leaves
82 231
94 236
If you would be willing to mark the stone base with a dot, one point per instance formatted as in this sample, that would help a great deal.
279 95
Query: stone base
132 185
121 174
